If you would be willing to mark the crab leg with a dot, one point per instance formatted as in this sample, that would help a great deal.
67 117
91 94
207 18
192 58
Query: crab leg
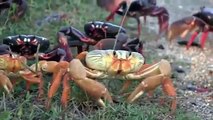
162 67
125 86
66 91
192 39
33 78
93 88
54 87
61 69
115 9
150 83
5 83
128 82
203 38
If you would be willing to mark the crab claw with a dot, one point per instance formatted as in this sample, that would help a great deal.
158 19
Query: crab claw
181 28
93 88
32 78
111 6
150 84
5 83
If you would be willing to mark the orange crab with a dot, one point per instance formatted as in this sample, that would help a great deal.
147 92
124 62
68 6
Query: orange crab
16 64
110 64
199 22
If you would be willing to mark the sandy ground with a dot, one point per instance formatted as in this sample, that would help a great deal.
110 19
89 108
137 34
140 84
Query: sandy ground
193 68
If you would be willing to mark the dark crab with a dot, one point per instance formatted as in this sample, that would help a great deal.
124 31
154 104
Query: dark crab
26 45
121 43
94 32
201 21
137 8
20 10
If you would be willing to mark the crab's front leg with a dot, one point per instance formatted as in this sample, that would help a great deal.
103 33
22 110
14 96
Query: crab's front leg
155 75
77 38
5 83
95 89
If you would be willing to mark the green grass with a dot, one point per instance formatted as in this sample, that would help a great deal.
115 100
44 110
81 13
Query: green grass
26 106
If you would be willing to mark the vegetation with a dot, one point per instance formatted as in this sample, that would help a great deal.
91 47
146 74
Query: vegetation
25 106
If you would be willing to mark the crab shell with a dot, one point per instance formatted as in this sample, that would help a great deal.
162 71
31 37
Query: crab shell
114 62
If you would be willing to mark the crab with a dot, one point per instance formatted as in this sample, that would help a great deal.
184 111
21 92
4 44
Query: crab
111 64
94 32
137 8
26 45
11 64
20 10
201 21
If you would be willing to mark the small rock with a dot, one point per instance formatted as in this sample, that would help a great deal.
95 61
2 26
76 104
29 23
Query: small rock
179 69
197 89
51 18
183 42
161 47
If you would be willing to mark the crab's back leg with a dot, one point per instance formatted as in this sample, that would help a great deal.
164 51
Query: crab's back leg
191 40
203 38
169 90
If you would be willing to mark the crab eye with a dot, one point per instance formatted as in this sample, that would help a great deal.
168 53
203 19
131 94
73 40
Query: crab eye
114 53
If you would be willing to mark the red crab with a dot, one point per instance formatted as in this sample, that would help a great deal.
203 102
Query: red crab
201 21
137 8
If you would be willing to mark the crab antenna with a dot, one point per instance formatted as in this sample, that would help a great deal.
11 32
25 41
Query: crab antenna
36 67
122 22
10 51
